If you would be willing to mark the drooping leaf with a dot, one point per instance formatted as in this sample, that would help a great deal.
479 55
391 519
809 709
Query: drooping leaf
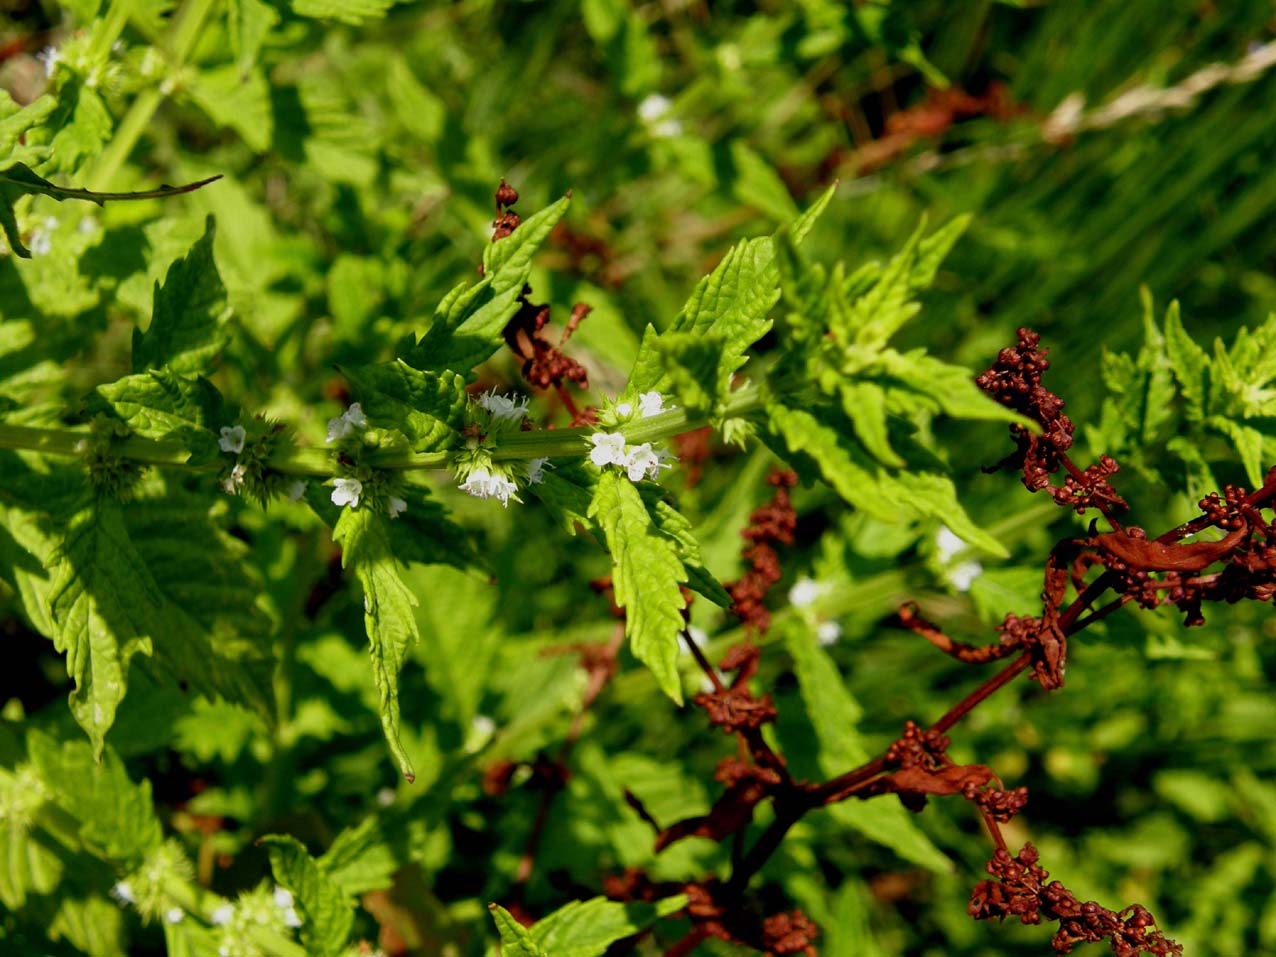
105 606
646 573
327 912
188 319
388 611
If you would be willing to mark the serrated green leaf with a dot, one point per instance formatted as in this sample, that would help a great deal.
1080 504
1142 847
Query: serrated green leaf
835 715
865 405
951 388
1189 362
461 632
588 928
190 312
568 489
516 940
427 407
732 302
161 404
239 99
327 912
508 260
890 496
105 607
696 366
388 611
1249 446
363 858
468 332
646 573
676 526
115 818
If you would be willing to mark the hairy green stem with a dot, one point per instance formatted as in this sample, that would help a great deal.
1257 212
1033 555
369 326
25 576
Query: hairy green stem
317 463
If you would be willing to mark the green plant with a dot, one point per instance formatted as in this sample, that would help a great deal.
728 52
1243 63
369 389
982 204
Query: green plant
304 523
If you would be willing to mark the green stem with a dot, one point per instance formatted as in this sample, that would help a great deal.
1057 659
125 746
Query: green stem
179 43
317 463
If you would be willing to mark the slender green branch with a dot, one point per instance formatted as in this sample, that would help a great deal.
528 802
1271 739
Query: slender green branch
317 462
186 25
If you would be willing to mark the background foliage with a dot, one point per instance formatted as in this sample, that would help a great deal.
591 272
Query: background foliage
360 143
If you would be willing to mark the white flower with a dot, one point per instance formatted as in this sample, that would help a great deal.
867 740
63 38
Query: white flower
827 633
41 243
50 57
385 797
947 544
283 897
222 915
483 484
964 575
174 915
642 461
291 918
234 481
483 726
123 892
651 403
396 506
349 420
504 407
296 490
232 439
534 469
653 107
624 410
609 449
806 591
346 492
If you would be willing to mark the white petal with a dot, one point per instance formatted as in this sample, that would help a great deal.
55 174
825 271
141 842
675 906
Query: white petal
651 403
232 439
354 415
396 506
338 428
806 591
283 897
827 632
174 915
346 492
222 915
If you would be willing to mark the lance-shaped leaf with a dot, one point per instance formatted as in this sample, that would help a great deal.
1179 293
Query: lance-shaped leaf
467 326
646 573
886 494
732 303
20 180
327 912
516 940
588 928
675 525
427 407
105 607
188 319
387 605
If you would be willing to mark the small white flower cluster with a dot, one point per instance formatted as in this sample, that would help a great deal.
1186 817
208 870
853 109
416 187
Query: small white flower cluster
649 404
652 111
638 461
962 575
41 242
232 442
347 492
345 424
483 483
504 408
256 908
806 592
